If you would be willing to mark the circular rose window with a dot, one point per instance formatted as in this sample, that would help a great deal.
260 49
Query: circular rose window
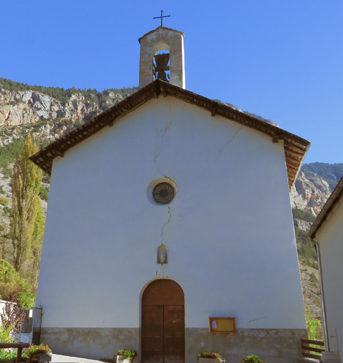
163 193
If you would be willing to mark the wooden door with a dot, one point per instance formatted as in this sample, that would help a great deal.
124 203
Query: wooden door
174 333
152 334
163 323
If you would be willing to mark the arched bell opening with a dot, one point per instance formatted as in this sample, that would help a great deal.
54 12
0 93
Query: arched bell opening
161 65
163 322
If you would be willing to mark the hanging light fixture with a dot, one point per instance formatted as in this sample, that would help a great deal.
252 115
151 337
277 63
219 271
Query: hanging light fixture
162 254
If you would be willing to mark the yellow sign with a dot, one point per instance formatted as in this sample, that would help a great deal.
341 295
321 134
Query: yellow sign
222 325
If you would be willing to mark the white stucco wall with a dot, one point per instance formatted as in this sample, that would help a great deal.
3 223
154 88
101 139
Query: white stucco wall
229 229
330 239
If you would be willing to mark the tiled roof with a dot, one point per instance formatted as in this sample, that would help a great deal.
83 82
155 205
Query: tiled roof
295 147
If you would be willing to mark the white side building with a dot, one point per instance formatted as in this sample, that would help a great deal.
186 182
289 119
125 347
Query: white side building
327 233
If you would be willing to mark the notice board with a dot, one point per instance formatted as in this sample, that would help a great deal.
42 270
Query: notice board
222 325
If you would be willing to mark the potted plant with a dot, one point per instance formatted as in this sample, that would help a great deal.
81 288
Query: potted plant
209 357
7 356
251 358
38 353
126 356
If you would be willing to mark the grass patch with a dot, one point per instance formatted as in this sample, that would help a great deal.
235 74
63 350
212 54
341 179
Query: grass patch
8 154
306 250
3 201
44 192
302 214
7 211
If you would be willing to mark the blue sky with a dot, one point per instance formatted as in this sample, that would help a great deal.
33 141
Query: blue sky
279 59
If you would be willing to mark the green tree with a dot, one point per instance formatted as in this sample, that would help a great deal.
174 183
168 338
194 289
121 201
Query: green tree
8 280
36 246
13 288
26 182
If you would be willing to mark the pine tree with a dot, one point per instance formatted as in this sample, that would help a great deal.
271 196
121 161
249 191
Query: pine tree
26 182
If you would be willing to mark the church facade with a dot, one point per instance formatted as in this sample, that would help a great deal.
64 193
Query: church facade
168 213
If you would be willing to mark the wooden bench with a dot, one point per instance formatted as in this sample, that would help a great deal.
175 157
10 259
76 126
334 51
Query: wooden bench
18 346
312 349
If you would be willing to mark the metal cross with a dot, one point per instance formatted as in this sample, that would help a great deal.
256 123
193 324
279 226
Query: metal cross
161 17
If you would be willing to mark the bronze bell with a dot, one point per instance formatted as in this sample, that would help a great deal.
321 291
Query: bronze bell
161 66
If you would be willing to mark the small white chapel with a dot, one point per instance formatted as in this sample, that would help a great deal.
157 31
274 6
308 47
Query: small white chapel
169 227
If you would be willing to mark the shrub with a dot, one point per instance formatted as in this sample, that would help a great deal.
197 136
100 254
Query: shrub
7 211
210 355
306 251
32 349
3 201
314 328
126 353
5 335
5 355
44 192
13 288
252 358
25 296
8 279
303 214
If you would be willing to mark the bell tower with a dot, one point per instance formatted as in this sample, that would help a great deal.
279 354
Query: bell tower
162 57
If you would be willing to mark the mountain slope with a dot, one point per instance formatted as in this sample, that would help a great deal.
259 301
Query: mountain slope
314 184
49 112
331 173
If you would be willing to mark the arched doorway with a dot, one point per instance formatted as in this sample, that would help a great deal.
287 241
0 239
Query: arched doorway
163 323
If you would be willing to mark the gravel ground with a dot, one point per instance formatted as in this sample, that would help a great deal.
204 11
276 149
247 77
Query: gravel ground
67 359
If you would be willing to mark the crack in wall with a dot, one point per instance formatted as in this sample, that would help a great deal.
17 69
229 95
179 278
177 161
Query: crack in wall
228 142
161 133
206 169
165 224
167 127
253 320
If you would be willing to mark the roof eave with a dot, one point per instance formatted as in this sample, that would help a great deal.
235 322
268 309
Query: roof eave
327 208
295 147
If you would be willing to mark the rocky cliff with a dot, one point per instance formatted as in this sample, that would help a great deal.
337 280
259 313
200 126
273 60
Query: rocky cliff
314 184
49 112
309 192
